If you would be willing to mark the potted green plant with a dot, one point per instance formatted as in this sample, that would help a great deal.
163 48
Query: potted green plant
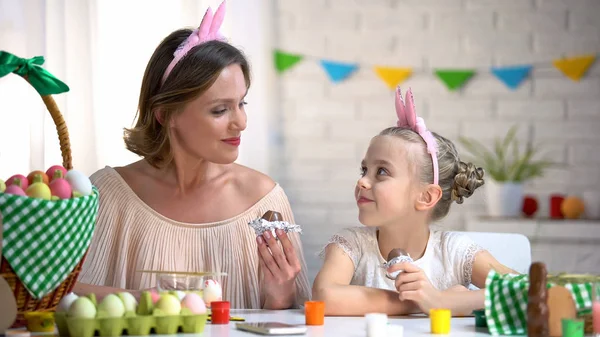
507 167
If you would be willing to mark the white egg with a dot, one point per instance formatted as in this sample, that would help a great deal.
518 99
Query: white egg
66 301
212 291
129 301
82 308
79 182
112 306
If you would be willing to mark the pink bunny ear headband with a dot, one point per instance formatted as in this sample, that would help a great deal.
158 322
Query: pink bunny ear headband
207 31
407 118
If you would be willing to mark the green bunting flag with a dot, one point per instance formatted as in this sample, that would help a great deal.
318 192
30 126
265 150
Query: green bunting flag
454 79
284 61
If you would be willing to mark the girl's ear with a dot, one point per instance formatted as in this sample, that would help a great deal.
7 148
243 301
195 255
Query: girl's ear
428 197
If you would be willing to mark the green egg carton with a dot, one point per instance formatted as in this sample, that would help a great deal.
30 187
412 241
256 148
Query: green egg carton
135 325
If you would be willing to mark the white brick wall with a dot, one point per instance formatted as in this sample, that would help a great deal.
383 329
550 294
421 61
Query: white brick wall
327 126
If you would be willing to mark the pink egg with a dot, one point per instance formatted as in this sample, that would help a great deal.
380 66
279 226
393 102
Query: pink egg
195 303
52 170
14 189
60 188
22 178
155 296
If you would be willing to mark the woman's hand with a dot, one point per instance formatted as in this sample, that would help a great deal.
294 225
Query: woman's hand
413 285
280 268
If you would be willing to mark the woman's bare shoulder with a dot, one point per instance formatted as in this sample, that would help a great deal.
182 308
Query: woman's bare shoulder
132 172
252 183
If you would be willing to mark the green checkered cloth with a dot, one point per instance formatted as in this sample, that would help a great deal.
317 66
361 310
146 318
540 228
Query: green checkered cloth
44 240
506 302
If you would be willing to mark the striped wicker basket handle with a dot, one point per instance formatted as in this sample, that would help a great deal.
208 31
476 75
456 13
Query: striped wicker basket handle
46 85
61 128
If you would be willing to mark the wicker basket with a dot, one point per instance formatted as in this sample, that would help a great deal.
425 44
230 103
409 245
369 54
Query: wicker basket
564 278
26 302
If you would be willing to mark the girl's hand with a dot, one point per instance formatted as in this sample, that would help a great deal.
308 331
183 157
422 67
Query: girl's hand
280 268
412 284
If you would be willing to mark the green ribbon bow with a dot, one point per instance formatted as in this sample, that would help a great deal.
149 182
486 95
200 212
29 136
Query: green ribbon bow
31 69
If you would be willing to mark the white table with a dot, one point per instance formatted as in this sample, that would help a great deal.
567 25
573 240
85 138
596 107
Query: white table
339 326
414 326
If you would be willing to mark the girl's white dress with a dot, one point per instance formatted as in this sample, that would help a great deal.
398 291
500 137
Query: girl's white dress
448 258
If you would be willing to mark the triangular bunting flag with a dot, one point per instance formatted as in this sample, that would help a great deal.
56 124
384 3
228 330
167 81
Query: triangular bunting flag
512 76
454 79
338 71
393 76
284 61
575 67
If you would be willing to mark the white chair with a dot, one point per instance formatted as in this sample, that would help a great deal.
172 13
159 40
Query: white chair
511 249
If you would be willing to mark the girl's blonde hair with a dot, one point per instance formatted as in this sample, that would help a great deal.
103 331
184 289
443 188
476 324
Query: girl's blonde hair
457 179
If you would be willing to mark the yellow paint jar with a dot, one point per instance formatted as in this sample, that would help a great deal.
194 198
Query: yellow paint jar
440 321
40 321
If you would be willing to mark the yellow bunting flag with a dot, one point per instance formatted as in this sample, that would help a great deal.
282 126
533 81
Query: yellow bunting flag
393 76
575 67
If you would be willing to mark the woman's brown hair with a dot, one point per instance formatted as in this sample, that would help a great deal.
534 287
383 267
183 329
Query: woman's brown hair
192 76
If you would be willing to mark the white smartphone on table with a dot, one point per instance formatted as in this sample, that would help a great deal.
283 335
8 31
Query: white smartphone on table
272 328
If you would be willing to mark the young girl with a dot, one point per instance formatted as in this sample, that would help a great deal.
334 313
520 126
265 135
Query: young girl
409 178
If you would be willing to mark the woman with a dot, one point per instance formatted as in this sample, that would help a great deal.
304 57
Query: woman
186 205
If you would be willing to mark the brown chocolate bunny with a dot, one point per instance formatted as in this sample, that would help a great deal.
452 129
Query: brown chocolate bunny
537 302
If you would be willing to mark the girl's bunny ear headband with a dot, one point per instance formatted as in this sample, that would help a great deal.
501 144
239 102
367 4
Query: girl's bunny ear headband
207 31
407 118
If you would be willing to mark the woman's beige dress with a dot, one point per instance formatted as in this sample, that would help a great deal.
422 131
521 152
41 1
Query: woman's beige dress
131 236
